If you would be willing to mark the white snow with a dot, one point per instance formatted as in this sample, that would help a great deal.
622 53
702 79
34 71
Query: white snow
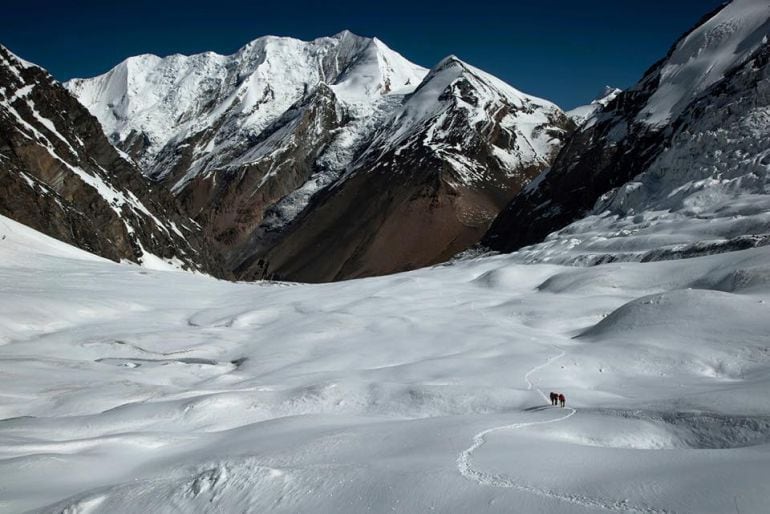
708 187
129 390
456 100
233 97
20 243
377 71
152 261
706 55
582 113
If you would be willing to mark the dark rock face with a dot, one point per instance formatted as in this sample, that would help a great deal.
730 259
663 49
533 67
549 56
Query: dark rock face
231 203
374 224
60 175
602 155
591 163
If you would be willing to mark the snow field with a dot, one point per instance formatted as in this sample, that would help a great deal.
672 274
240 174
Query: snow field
124 389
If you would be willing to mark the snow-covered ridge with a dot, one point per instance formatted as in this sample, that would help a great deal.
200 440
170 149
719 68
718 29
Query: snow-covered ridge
167 100
19 62
454 102
706 55
675 167
582 113
706 192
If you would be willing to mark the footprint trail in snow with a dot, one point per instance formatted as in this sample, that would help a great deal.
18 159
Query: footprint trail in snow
464 464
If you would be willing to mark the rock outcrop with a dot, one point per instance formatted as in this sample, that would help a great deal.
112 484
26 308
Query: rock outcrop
60 175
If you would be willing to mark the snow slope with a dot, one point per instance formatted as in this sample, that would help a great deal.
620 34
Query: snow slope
706 55
125 390
675 166
456 102
582 113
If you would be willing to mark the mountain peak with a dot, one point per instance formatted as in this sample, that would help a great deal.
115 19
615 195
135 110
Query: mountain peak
607 91
21 62
448 61
451 68
582 113
343 34
249 89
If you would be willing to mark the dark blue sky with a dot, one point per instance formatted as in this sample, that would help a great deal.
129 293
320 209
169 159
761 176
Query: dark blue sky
563 50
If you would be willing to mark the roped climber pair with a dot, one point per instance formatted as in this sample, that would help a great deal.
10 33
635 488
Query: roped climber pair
558 399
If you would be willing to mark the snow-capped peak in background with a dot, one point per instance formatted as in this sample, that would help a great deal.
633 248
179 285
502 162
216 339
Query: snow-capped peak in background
454 88
376 70
582 113
248 141
147 102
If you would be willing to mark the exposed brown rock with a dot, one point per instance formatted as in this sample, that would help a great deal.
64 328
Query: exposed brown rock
60 175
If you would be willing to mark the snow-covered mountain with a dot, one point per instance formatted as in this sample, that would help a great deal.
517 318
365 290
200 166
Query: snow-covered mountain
248 141
435 174
60 175
151 105
581 113
232 135
675 166
457 110
127 390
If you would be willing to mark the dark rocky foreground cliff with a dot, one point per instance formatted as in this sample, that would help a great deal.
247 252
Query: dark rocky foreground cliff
60 175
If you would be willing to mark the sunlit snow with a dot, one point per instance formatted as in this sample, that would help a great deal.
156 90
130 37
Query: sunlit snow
129 390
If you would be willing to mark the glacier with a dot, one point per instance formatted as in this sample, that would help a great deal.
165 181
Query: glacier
126 389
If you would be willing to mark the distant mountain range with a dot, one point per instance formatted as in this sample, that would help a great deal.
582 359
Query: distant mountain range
338 158
327 159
